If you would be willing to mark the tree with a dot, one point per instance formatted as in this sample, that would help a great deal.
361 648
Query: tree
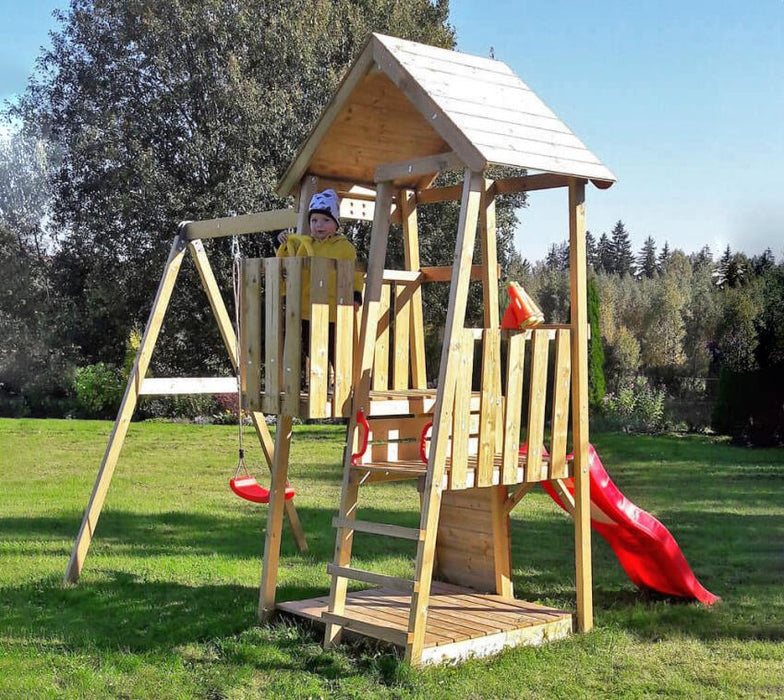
664 256
557 256
646 260
591 252
189 110
604 255
596 381
622 250
760 264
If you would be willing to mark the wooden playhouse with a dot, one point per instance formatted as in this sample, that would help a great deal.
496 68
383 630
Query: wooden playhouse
404 113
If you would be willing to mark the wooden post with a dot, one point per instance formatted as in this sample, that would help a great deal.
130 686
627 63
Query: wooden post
125 412
269 569
501 530
280 464
487 223
579 323
344 536
447 378
408 208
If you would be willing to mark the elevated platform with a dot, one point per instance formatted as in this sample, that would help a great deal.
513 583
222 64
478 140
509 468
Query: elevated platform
461 623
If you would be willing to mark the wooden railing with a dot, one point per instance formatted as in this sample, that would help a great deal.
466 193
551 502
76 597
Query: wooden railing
517 384
282 372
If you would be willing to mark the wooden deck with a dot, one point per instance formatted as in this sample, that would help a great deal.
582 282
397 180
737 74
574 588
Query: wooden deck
461 623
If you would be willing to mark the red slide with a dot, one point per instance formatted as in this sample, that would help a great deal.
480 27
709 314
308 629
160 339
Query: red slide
647 551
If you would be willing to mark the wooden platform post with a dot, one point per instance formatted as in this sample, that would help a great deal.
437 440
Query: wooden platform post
344 536
272 537
579 323
280 465
499 515
458 296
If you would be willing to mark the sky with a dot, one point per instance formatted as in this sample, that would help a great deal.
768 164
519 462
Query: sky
682 100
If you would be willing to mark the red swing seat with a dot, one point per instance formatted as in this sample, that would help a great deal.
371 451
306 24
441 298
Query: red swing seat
248 488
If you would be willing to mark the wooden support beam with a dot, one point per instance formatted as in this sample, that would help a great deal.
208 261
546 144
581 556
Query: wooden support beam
487 237
272 537
344 537
458 296
417 167
261 222
173 386
502 542
125 412
566 497
529 183
507 185
517 496
408 208
579 323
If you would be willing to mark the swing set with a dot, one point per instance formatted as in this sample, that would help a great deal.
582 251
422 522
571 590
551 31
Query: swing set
404 113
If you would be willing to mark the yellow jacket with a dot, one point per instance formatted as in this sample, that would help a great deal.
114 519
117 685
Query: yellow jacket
335 247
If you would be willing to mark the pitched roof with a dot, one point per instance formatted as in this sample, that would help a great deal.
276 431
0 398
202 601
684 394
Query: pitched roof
402 100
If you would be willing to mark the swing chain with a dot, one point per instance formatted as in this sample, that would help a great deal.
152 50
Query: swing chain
236 275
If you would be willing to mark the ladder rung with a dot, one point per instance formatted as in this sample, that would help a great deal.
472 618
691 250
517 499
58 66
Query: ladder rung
371 629
398 584
405 533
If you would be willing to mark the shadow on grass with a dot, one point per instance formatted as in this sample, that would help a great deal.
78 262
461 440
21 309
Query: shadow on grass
118 609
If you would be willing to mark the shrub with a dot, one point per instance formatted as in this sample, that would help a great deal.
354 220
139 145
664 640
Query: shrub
98 390
636 407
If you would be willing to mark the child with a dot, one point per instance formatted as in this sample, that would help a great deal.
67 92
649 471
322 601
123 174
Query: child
326 242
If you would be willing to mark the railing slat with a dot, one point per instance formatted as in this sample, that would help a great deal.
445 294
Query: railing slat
461 418
292 344
381 356
514 406
344 338
540 346
400 366
560 416
273 335
490 403
321 269
250 338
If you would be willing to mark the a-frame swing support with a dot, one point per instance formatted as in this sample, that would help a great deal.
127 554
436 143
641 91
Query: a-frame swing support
188 238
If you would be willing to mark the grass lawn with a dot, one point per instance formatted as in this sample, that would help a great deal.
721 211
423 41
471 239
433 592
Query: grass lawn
166 606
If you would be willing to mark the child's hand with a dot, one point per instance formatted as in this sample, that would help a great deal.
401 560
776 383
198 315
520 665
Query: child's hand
357 305
282 238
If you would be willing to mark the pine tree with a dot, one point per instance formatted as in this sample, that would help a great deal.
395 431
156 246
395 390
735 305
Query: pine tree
591 252
664 257
605 260
702 259
622 250
646 260
764 262
552 260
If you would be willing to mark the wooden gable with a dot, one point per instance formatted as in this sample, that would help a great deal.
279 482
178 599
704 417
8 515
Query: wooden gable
402 101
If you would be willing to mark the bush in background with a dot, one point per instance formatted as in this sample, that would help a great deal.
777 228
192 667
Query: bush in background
98 389
635 407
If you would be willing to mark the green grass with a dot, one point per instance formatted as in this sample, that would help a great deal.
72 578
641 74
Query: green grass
167 601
